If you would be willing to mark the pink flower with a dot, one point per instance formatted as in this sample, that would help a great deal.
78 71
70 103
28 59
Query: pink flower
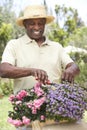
15 108
21 94
18 102
26 121
42 117
29 105
37 103
38 90
34 111
11 98
15 122
10 120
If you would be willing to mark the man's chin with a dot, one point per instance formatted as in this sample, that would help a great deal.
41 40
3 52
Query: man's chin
36 37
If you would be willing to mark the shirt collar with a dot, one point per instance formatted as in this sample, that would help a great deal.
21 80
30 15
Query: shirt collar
27 40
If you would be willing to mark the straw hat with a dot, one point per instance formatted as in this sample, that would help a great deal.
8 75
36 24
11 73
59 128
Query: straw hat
34 11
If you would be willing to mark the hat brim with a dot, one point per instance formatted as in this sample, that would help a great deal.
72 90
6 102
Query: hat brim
20 20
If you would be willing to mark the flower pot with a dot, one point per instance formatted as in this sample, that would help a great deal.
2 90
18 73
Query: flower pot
23 128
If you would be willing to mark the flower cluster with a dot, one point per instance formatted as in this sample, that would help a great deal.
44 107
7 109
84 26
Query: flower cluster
54 101
66 102
28 105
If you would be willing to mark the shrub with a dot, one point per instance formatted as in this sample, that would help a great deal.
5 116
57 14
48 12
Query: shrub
6 86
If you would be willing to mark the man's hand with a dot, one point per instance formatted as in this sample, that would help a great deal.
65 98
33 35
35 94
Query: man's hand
70 72
39 75
9 71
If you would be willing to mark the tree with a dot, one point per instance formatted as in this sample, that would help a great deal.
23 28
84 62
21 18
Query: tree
6 23
67 21
8 28
8 15
64 14
57 34
79 39
5 35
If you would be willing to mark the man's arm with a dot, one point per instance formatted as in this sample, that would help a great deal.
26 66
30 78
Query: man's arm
9 71
70 72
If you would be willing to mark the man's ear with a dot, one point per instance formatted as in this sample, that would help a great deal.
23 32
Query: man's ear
24 23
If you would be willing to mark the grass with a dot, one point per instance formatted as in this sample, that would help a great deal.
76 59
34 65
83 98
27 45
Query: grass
5 106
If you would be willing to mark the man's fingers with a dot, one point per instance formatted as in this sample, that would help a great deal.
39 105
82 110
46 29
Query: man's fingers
66 76
41 75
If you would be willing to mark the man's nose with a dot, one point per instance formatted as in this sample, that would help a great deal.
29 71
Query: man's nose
36 26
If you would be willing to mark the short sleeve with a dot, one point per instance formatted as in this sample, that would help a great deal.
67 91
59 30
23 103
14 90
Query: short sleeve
9 54
65 58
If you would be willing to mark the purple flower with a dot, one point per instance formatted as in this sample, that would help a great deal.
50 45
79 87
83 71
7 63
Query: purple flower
66 101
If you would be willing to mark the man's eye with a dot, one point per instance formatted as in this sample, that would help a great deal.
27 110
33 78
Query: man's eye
40 24
31 23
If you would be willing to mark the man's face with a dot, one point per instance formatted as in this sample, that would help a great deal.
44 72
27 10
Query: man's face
35 27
